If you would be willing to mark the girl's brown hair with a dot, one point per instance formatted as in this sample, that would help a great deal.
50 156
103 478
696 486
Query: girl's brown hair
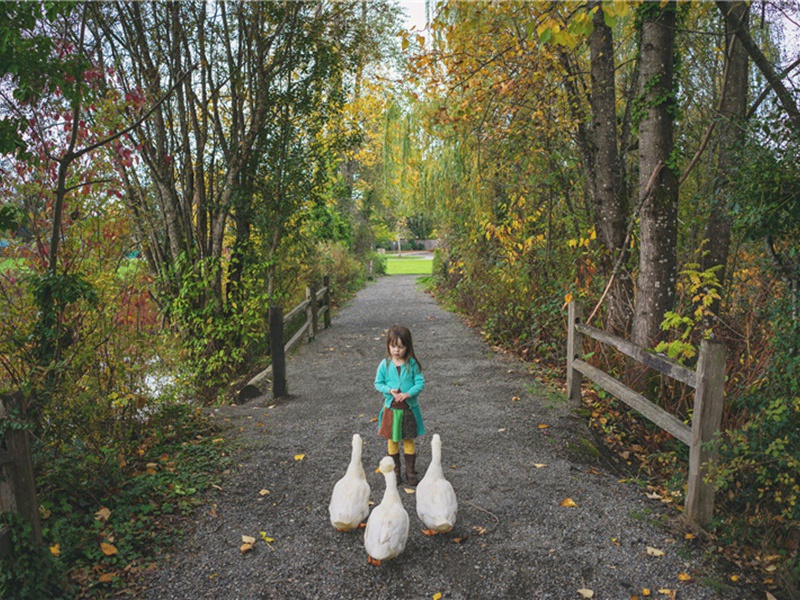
398 333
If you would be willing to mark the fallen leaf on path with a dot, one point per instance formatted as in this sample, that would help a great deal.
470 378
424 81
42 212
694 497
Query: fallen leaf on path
653 496
373 420
267 540
245 548
543 425
437 596
515 399
671 594
480 530
616 541
568 502
216 487
247 539
217 440
586 593
103 514
263 492
55 549
299 456
108 549
770 596
539 465
689 536
654 552
106 578
458 540
684 577
734 578
645 591
409 490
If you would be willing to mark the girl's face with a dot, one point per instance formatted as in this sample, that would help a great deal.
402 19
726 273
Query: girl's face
397 349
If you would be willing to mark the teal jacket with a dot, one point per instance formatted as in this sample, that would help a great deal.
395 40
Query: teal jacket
409 381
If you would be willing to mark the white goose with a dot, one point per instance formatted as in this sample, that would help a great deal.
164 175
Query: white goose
387 526
436 500
350 499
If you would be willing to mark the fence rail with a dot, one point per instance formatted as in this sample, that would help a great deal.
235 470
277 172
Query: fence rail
708 381
317 303
17 488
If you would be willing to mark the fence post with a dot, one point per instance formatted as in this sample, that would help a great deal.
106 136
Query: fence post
326 300
277 352
309 325
574 350
706 419
17 485
312 294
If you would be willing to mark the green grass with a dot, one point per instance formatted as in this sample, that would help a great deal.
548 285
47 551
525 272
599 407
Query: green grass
408 265
7 264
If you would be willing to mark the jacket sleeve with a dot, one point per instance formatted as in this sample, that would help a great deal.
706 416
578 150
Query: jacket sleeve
419 381
380 380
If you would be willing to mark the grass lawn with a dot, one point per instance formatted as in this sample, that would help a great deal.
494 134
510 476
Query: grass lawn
408 265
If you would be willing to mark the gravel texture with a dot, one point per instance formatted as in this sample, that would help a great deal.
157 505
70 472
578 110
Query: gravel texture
513 539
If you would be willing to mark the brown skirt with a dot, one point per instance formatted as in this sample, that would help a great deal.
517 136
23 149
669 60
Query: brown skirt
406 429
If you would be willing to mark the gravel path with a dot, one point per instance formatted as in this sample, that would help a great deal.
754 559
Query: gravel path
515 538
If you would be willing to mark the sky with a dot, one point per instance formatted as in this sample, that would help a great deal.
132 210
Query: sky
415 13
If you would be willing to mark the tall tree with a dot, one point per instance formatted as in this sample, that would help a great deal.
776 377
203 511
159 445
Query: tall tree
655 286
731 137
610 194
736 19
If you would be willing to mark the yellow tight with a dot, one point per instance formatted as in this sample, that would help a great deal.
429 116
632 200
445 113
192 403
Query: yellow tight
408 447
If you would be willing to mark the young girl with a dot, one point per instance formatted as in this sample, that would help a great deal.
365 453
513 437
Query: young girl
399 378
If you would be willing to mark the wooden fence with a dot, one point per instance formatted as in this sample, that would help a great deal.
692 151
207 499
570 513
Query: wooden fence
316 304
17 488
708 382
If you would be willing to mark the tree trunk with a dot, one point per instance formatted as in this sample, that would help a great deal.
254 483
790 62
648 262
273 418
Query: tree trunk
655 285
611 204
734 19
731 134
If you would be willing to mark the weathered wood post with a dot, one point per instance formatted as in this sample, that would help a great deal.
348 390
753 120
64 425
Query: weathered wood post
17 485
574 350
309 315
277 351
706 420
312 296
326 300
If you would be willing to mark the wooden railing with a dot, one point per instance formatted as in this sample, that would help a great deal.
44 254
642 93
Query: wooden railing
17 489
708 382
316 304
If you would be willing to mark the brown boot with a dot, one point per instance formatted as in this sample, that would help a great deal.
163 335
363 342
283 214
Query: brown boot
411 473
396 458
